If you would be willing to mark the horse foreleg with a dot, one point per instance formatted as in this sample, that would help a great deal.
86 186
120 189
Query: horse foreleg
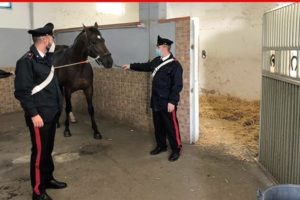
89 98
67 132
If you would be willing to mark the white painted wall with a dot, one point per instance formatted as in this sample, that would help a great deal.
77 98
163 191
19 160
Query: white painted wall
16 17
231 35
229 32
67 15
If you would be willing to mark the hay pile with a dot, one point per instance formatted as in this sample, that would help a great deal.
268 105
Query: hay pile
231 123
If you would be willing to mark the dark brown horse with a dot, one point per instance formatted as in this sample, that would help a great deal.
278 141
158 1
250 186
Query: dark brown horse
80 77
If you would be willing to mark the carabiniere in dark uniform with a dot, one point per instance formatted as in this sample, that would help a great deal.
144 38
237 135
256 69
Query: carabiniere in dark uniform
167 83
166 86
31 70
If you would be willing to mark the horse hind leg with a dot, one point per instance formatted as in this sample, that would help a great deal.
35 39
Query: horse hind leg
72 117
89 98
57 122
67 132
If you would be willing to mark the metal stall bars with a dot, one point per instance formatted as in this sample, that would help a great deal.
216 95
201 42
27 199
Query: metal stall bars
280 101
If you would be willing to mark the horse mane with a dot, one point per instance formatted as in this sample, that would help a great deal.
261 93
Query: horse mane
79 35
92 29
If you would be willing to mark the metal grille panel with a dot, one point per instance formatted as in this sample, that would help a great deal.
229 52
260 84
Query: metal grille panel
280 100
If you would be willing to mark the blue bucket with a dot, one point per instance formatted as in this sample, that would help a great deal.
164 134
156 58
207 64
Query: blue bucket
280 192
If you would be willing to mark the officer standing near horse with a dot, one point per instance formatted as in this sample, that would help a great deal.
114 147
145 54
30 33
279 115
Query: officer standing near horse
37 89
166 86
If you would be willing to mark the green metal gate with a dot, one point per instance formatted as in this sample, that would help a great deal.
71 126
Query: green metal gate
280 103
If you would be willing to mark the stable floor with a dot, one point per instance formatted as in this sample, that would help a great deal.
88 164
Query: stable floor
119 167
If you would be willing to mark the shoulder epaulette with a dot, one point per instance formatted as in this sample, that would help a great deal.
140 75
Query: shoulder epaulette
28 55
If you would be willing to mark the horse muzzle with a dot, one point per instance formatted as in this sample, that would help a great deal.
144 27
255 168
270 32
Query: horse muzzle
106 60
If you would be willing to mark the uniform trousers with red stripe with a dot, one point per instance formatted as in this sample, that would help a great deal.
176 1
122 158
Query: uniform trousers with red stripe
166 126
41 163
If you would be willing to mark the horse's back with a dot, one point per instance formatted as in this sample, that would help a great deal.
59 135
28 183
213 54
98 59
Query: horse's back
59 48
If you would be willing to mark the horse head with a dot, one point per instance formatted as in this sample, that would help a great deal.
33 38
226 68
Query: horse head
97 47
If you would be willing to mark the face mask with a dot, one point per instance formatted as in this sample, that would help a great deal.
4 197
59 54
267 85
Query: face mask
157 52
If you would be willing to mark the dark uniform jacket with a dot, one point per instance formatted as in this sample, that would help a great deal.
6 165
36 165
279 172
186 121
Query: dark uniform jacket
166 84
31 70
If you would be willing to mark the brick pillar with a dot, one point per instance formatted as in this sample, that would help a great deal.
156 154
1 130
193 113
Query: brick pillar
183 55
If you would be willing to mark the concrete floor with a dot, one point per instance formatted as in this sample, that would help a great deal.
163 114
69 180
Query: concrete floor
119 167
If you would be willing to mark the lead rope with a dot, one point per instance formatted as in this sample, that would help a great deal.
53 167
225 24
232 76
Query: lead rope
44 84
77 63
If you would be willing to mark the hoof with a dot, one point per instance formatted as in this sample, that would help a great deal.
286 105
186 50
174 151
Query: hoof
67 133
98 136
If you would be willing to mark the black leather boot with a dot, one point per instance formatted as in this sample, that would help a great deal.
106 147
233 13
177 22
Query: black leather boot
54 184
174 156
42 196
158 150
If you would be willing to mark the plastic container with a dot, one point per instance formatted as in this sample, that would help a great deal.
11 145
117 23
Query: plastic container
280 192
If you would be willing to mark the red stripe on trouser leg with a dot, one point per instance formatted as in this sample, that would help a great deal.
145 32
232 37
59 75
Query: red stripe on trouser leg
176 127
37 161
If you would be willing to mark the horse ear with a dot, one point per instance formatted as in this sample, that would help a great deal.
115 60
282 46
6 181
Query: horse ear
96 24
84 27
